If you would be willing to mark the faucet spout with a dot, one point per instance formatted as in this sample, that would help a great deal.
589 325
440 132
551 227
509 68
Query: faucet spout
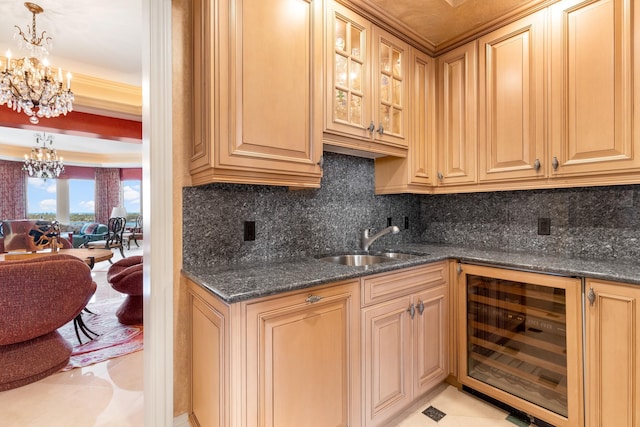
368 240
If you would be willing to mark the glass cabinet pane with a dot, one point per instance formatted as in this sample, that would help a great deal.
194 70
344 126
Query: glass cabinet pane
341 35
341 105
384 89
396 122
341 70
356 109
355 76
397 63
357 43
397 92
385 117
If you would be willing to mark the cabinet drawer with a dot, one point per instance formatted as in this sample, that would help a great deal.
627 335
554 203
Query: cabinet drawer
386 286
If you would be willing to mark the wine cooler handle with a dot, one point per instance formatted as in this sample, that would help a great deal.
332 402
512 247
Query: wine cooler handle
591 295
412 311
420 307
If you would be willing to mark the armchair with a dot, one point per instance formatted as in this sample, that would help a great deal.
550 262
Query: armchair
37 296
126 276
113 238
89 232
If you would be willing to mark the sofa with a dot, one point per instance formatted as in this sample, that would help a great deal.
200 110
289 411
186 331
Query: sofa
90 232
38 296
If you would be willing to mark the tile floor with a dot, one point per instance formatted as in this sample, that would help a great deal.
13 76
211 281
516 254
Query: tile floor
107 394
461 409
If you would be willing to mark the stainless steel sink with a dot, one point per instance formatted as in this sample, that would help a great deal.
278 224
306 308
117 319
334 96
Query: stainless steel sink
360 260
355 260
396 255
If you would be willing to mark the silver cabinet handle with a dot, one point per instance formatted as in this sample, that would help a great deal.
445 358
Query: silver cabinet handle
420 307
381 129
536 165
591 295
313 298
440 176
371 127
555 163
459 268
412 311
321 162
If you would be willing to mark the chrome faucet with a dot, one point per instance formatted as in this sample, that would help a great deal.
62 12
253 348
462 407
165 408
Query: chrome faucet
367 240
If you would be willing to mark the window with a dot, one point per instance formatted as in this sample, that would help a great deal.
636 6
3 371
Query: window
131 197
41 198
82 200
67 200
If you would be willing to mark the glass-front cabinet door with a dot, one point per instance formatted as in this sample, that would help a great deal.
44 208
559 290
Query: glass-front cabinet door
349 99
390 88
366 85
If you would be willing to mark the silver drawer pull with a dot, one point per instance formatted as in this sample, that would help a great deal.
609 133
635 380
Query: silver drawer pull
313 298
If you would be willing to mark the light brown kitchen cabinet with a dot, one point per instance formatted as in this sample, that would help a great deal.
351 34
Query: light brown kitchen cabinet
457 145
366 85
612 354
257 92
511 101
595 89
414 174
287 360
209 353
405 325
303 359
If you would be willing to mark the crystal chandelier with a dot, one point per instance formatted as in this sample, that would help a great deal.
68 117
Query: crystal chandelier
43 162
27 84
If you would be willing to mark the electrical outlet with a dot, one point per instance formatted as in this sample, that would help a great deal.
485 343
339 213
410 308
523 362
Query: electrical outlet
389 221
544 226
249 230
406 222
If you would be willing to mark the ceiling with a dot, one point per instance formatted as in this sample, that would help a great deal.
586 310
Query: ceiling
103 39
439 24
99 39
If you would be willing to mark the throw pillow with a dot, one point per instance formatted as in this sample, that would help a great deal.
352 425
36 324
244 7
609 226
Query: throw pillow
89 228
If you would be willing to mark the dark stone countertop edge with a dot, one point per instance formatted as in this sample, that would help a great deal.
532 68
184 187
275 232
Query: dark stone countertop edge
240 282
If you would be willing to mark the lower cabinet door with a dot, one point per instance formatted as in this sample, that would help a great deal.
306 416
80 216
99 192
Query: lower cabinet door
612 356
302 359
431 339
387 359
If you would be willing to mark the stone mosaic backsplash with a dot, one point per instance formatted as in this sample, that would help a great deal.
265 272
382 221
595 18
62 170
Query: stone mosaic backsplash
591 222
292 223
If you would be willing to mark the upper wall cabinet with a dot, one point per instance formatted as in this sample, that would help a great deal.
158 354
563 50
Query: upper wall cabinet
595 81
414 173
366 83
457 120
511 101
258 92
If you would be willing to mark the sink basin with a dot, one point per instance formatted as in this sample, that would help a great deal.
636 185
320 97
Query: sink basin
356 260
395 255
364 259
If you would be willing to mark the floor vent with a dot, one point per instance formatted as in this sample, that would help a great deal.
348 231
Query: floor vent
434 413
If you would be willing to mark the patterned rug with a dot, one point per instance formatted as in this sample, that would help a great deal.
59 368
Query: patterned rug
114 339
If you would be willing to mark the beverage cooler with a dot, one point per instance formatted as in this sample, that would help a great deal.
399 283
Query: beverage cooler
520 341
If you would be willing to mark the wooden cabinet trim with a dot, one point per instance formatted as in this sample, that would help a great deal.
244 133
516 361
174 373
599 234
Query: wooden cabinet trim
387 286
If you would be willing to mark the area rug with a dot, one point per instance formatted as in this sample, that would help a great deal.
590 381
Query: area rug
113 340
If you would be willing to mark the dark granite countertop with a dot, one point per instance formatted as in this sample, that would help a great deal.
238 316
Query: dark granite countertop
239 282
